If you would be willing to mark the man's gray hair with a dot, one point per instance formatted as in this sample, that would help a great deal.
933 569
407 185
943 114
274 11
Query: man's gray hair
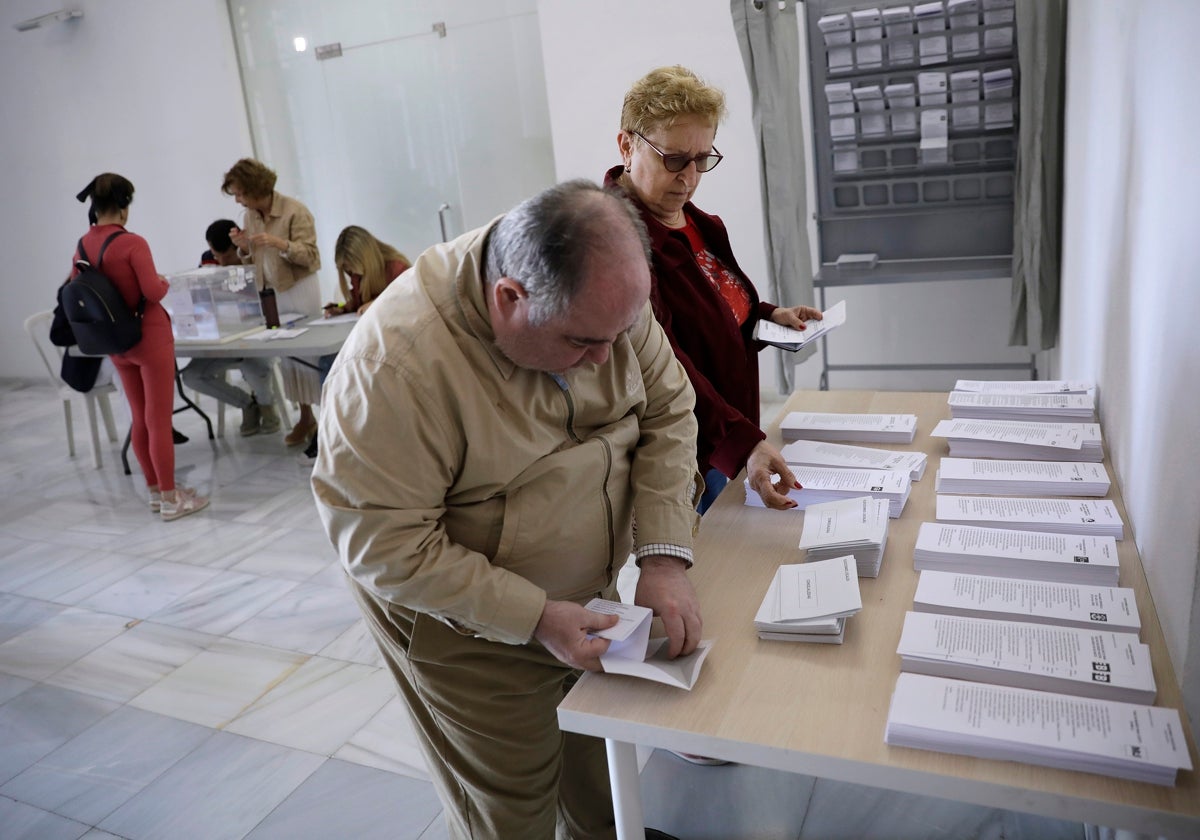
545 242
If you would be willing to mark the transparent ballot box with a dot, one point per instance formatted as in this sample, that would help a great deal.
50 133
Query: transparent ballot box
213 303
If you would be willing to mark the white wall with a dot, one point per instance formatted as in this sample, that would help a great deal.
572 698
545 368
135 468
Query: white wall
146 89
1131 288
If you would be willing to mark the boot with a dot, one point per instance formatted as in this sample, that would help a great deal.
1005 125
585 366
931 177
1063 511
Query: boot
270 419
251 417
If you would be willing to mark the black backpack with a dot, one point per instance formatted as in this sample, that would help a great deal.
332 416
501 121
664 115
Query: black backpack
102 322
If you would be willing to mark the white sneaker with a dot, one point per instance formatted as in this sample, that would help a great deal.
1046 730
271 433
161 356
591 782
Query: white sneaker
186 501
155 501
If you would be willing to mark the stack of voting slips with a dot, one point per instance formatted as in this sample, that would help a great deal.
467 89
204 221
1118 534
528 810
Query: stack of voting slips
1136 742
828 484
864 428
1011 599
1038 408
1031 555
1021 440
810 602
1069 660
1093 517
857 527
981 476
1026 386
812 453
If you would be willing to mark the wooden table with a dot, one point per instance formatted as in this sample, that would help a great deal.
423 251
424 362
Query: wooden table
821 710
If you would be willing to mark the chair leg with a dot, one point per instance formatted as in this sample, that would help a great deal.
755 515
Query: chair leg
70 428
106 412
95 430
282 400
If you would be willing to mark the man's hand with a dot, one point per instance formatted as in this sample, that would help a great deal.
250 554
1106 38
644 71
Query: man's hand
664 587
563 630
764 461
795 316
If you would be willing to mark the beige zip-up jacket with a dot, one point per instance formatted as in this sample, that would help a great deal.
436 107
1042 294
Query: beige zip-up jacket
456 484
291 221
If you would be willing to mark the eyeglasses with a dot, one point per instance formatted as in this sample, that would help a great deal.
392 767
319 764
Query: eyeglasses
677 163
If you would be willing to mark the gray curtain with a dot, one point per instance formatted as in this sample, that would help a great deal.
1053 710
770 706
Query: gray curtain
769 39
1037 217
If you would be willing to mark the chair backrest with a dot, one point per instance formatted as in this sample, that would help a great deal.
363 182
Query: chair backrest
38 327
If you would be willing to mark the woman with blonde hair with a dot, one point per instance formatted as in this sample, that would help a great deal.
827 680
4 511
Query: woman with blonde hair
704 301
365 267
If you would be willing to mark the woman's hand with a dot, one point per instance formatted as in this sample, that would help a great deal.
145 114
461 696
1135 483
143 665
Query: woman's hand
332 309
764 462
795 316
268 240
239 238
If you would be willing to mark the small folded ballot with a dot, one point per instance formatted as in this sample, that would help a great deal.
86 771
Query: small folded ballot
857 527
1021 440
787 338
842 426
632 652
816 453
827 484
810 602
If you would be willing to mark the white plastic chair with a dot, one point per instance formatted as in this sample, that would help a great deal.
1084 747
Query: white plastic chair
38 327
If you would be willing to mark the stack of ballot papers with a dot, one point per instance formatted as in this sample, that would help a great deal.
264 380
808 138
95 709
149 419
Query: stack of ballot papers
1012 599
1021 440
1094 517
792 339
864 428
857 527
810 602
1069 660
828 484
632 652
1038 408
1030 555
982 476
1137 742
814 453
1026 386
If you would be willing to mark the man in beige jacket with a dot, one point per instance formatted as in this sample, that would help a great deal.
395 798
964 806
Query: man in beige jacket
491 432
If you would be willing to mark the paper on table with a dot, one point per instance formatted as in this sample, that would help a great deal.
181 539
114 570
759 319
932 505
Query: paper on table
793 339
845 522
322 321
823 589
812 453
633 653
1022 386
1059 435
1063 516
276 334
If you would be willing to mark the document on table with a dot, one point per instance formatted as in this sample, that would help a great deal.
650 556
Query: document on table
277 333
1037 407
825 484
1021 478
846 523
842 426
788 338
1036 386
1059 435
819 597
632 652
1098 517
1032 555
813 453
322 321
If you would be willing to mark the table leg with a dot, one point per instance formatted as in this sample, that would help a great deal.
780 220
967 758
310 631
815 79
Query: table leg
626 790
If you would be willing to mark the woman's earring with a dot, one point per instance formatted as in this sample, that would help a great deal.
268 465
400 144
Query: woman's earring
627 167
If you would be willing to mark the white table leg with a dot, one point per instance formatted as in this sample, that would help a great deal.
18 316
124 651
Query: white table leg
626 789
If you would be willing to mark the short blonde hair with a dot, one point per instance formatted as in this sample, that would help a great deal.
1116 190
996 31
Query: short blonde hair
358 252
252 177
662 96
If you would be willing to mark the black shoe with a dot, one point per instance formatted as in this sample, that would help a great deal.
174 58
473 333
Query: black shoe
178 437
311 450
655 834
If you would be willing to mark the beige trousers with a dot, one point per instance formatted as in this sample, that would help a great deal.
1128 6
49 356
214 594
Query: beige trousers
485 716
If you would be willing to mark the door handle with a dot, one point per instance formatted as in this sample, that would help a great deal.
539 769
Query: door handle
442 220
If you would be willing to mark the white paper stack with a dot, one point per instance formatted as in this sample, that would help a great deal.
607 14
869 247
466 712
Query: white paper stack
1093 517
1030 555
791 339
810 602
1039 408
1022 440
857 527
864 428
1070 660
1026 386
1142 743
984 477
828 484
812 453
1044 602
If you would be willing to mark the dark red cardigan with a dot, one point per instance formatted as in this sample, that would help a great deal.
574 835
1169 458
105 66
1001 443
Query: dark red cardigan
721 359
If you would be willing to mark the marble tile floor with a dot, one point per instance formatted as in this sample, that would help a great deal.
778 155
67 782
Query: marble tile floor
210 678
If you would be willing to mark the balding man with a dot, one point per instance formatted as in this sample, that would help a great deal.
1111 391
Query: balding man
489 435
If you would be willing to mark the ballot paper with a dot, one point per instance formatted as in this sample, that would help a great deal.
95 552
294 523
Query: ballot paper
827 484
813 453
1017 439
1024 386
788 338
857 527
276 334
1031 555
1045 602
1129 741
1058 408
810 602
1095 517
836 426
1021 478
632 652
1072 660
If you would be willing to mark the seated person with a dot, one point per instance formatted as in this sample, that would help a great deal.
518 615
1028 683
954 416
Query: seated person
207 376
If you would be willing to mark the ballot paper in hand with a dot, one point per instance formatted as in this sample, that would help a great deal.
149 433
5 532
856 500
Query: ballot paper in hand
632 652
788 338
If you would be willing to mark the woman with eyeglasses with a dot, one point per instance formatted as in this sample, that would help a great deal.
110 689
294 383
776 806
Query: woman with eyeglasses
705 303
